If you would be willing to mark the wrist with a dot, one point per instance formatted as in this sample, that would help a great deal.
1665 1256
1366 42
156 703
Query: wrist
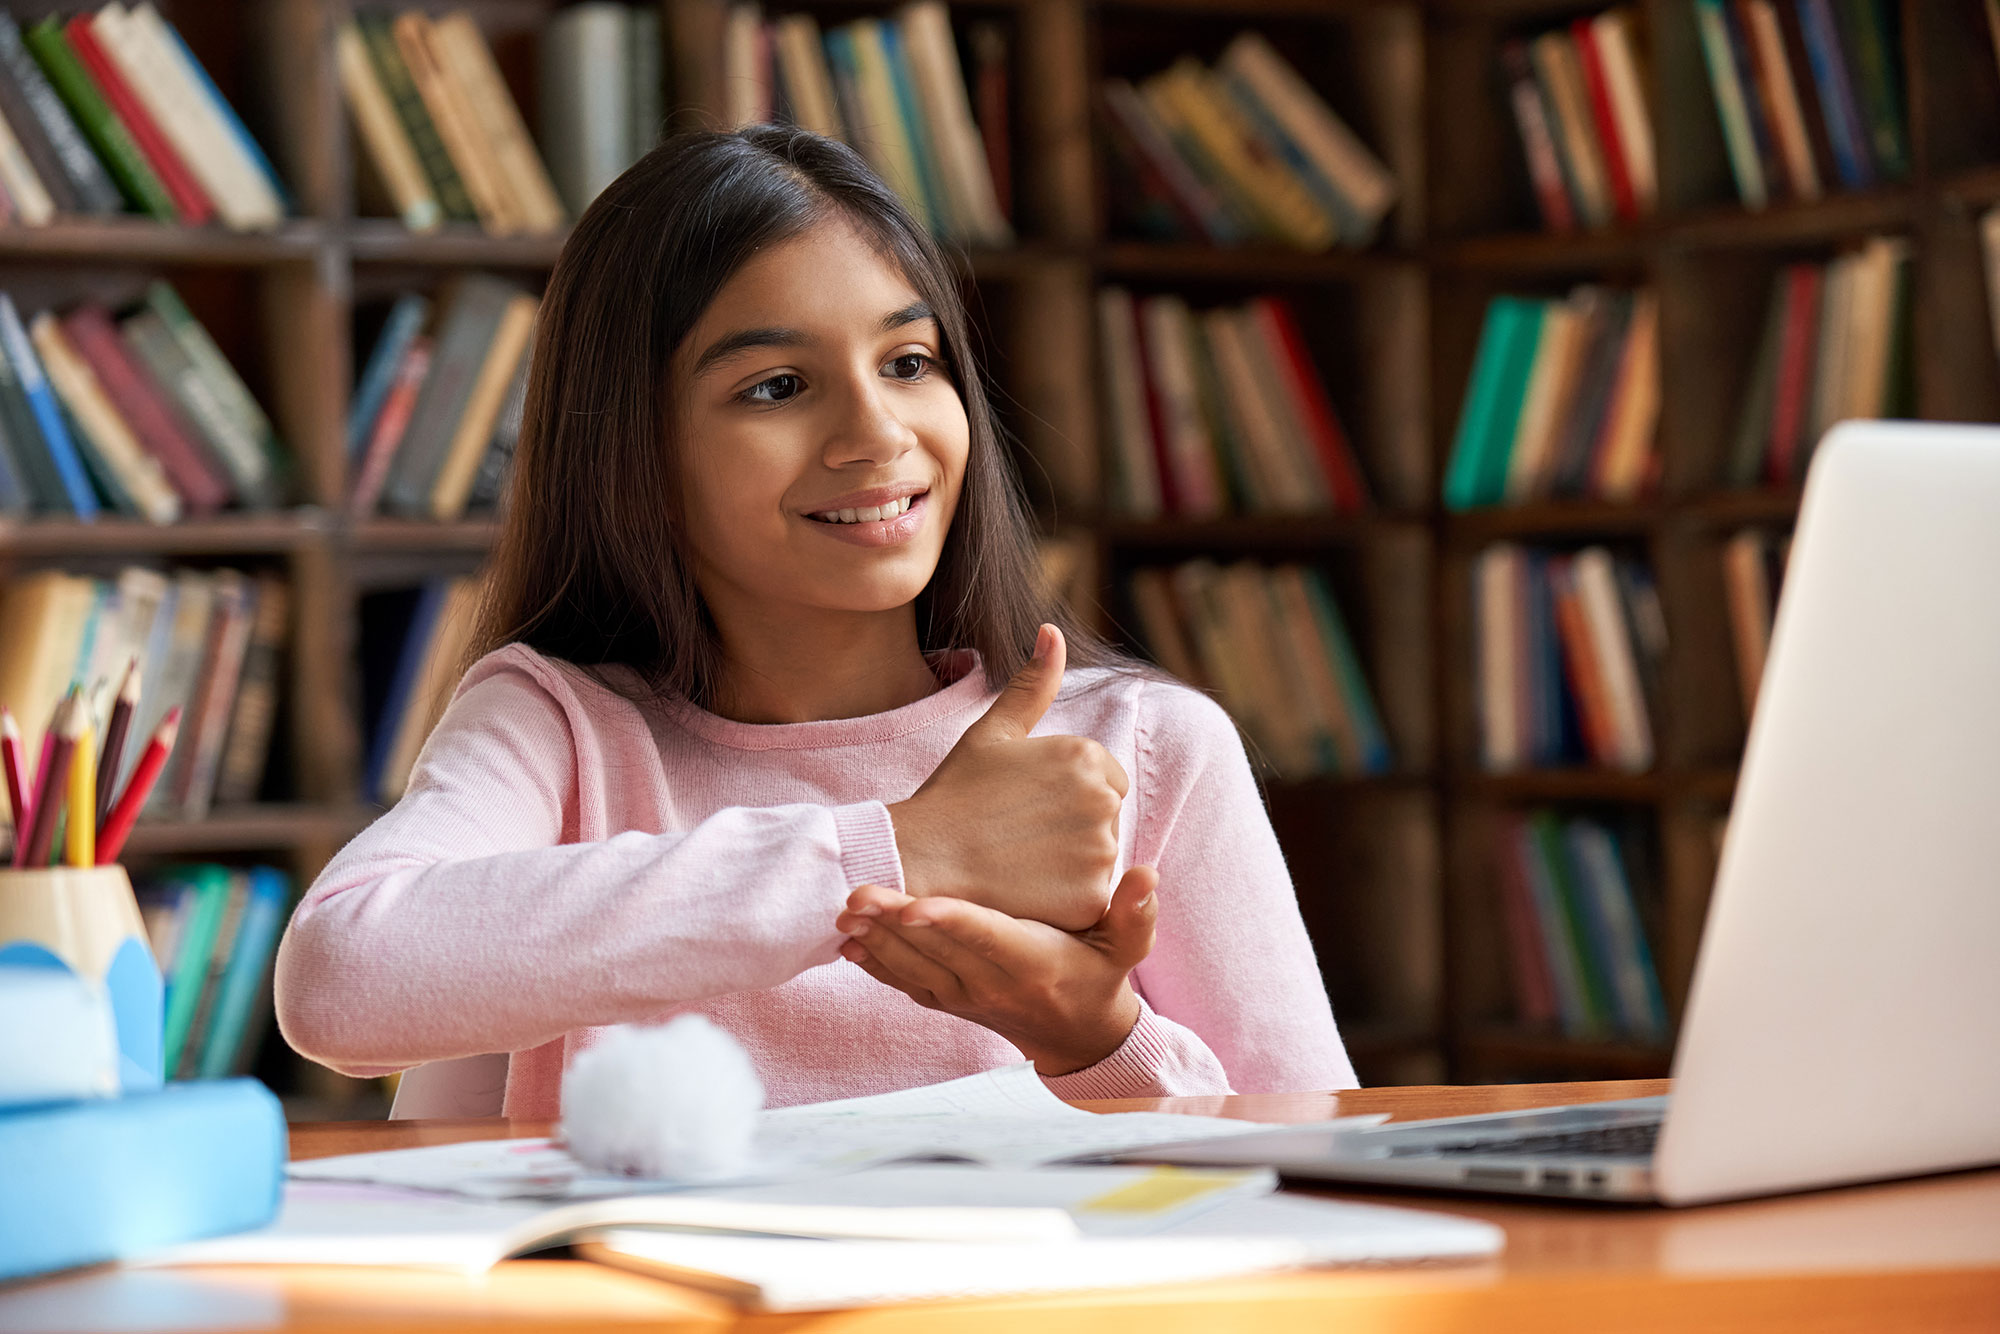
1095 1041
917 849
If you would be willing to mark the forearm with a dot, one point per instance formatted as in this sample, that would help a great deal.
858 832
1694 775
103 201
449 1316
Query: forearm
396 957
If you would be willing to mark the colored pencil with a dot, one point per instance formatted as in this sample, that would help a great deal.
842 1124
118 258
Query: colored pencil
80 839
50 791
17 773
114 739
111 839
25 833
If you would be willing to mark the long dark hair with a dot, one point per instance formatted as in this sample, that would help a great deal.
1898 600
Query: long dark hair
591 565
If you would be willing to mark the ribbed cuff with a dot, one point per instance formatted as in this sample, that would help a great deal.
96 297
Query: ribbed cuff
868 846
1132 1070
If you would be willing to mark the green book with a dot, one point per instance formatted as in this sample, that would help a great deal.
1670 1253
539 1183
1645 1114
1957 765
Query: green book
1375 756
1866 32
174 371
1597 996
1760 396
263 485
380 39
208 890
1229 447
1477 473
100 125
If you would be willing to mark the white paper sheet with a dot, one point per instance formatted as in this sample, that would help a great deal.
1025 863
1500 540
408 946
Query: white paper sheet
1243 1236
1004 1117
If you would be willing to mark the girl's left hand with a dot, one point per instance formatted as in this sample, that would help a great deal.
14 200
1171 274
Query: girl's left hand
1064 998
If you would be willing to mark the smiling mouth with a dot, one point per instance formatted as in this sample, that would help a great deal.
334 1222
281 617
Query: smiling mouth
871 514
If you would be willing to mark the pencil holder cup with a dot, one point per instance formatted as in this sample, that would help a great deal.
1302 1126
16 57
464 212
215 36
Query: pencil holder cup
85 920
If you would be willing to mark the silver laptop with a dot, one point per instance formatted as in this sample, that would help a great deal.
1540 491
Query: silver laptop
1844 1019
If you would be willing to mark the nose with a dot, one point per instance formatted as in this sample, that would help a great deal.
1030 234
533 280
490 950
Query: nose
866 428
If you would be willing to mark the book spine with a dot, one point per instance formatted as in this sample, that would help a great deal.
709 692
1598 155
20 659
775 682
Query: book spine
169 366
27 88
1624 199
107 443
189 201
390 425
445 101
383 133
269 896
469 64
404 321
463 338
417 123
490 486
48 415
1730 106
28 198
262 461
268 201
139 402
1538 144
1852 157
1868 38
107 135
247 749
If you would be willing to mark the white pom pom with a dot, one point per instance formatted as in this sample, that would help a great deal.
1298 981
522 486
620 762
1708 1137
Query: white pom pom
677 1101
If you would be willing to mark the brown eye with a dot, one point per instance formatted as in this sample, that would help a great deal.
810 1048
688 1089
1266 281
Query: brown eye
912 366
781 387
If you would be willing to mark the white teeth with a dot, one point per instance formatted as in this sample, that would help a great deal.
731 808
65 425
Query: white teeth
875 514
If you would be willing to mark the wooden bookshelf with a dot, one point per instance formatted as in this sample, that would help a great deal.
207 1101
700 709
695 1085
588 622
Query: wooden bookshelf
1393 873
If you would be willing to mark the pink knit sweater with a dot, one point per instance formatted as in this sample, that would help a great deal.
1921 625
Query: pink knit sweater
565 860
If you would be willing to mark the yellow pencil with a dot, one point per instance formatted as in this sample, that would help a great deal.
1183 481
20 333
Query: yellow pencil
82 833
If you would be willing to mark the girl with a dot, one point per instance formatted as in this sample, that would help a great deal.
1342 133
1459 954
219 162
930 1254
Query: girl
737 742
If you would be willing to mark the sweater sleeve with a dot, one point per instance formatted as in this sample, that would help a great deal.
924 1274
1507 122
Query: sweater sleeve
1233 997
469 918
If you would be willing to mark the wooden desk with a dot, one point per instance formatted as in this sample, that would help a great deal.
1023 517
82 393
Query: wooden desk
1916 1255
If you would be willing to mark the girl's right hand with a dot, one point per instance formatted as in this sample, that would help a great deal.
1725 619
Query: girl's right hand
1024 825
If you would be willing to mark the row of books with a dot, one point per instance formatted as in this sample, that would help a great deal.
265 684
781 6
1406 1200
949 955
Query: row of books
1569 649
1272 643
110 111
208 642
1753 574
1835 343
895 90
437 411
413 644
1575 928
1808 92
137 413
442 131
214 932
594 123
1219 410
1579 103
1243 152
1563 400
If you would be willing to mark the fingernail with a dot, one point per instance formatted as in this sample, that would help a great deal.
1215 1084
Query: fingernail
1145 902
916 921
858 929
868 910
1044 641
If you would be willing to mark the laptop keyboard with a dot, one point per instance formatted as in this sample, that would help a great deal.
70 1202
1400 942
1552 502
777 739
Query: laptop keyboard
1623 1141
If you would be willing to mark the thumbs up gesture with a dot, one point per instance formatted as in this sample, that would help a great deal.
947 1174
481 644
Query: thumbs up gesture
1024 825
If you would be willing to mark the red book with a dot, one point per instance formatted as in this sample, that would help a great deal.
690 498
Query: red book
1586 683
1156 419
1534 988
1623 199
189 199
1330 443
1796 355
390 423
202 485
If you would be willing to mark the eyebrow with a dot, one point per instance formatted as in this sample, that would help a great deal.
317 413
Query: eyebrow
777 336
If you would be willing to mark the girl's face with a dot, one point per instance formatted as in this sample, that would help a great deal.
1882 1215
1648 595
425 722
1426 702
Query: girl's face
824 442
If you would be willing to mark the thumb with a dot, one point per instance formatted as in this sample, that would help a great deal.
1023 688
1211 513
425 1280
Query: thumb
1027 694
1126 929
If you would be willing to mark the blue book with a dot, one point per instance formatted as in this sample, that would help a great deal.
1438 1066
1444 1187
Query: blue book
1852 160
1551 923
207 88
406 320
916 132
409 662
48 415
249 962
114 1178
1612 930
